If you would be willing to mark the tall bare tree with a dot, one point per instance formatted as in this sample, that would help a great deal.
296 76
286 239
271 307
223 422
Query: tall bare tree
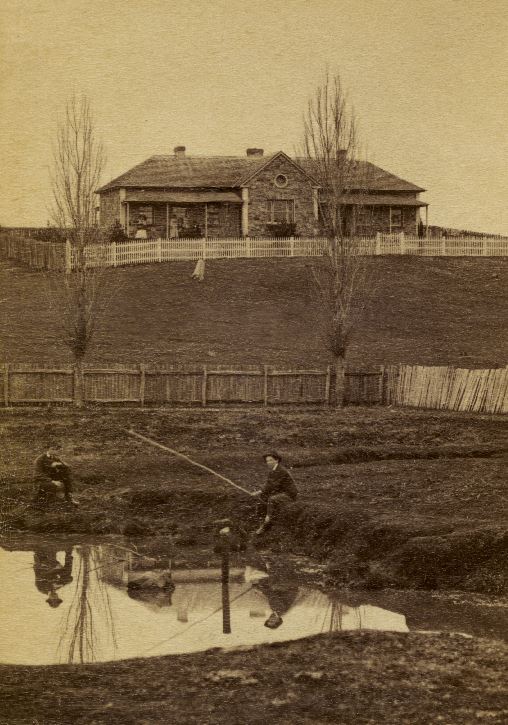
331 145
79 296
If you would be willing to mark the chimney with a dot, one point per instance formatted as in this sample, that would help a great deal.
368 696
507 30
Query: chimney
255 152
179 152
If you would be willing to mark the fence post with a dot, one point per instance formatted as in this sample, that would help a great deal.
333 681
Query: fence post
265 385
113 254
378 243
381 384
78 393
249 250
6 385
291 246
68 256
203 247
327 384
203 386
402 242
484 247
443 246
159 249
142 369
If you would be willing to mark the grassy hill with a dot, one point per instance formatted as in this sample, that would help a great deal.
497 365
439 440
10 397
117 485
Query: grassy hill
428 311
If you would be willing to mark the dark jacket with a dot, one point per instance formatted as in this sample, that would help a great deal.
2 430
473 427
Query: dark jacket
281 596
44 468
279 481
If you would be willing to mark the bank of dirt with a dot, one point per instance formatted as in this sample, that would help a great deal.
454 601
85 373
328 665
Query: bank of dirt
387 497
360 677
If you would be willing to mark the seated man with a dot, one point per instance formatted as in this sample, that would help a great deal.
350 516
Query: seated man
53 477
278 490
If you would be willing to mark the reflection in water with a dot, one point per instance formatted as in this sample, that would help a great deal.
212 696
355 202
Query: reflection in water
113 604
226 604
90 602
50 574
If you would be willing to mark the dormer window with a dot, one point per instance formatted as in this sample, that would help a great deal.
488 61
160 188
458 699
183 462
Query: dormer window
281 180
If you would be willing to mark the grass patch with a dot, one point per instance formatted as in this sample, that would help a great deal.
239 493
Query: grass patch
356 677
442 311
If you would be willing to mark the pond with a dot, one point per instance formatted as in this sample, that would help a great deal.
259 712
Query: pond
98 602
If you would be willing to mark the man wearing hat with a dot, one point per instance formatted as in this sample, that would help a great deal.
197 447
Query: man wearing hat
53 477
278 490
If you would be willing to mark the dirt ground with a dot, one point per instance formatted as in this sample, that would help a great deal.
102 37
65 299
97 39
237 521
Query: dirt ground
387 497
426 311
361 677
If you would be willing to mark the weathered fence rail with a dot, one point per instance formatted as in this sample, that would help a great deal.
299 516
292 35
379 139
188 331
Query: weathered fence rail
61 256
443 388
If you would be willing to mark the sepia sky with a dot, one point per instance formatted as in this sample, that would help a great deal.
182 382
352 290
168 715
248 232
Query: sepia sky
428 79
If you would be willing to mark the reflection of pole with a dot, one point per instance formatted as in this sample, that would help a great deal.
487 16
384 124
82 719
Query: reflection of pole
226 610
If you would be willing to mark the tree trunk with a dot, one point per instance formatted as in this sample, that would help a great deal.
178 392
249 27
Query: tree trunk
339 382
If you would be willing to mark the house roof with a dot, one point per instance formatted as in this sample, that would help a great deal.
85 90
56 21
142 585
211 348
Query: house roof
189 172
376 178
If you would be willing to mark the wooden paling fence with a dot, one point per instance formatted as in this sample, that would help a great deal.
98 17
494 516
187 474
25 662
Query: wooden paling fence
447 388
61 255
35 254
442 388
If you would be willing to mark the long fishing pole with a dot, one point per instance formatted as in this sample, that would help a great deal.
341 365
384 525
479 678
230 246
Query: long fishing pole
186 458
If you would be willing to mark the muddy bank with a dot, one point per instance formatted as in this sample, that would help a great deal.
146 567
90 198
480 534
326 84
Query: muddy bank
387 498
361 677
360 549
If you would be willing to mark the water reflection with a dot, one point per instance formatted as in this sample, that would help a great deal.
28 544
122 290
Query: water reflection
108 602
79 639
50 574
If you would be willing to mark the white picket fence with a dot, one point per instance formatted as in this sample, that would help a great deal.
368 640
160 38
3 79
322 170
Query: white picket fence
49 255
143 251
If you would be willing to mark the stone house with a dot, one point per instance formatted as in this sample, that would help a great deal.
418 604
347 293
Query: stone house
254 195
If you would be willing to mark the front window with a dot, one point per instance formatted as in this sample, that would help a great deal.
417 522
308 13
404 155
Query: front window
282 211
395 218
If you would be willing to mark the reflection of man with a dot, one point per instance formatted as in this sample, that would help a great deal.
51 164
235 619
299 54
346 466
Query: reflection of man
277 491
281 597
50 575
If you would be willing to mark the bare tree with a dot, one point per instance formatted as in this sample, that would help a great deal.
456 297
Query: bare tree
331 145
79 296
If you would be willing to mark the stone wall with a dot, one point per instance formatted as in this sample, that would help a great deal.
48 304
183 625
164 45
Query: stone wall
370 220
262 189
109 208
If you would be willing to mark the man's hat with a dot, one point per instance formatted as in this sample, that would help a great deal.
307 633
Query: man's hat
273 454
274 621
54 601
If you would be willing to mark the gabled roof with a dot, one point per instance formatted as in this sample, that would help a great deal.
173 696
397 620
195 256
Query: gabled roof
188 172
